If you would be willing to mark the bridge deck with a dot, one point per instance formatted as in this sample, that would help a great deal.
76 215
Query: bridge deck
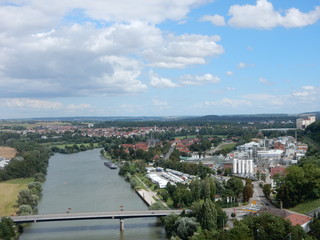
93 215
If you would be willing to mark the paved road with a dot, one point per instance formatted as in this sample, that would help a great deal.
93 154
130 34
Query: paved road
167 156
93 215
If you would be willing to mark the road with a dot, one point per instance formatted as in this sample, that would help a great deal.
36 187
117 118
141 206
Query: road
217 148
173 145
93 215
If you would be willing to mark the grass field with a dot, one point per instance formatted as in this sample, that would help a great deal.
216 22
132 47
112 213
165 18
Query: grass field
8 194
307 206
228 146
62 146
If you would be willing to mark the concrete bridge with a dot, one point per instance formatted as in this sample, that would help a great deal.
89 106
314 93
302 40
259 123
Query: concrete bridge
94 215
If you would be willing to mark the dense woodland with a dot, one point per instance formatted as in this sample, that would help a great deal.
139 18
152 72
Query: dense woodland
30 161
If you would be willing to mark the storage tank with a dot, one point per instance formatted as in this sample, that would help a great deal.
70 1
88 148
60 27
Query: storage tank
235 161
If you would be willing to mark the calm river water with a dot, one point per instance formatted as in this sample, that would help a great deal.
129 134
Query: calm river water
80 182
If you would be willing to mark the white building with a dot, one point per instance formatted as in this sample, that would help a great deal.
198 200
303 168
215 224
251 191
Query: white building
271 154
302 123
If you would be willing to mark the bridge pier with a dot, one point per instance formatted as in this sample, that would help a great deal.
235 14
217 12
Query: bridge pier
121 225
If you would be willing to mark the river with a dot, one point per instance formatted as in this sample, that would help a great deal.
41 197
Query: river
80 182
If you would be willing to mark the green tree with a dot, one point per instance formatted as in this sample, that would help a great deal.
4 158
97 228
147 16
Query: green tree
169 223
25 210
240 231
185 227
195 188
247 192
236 185
208 218
35 188
26 197
7 229
315 228
266 190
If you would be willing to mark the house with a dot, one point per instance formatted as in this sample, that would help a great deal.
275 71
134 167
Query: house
300 219
294 218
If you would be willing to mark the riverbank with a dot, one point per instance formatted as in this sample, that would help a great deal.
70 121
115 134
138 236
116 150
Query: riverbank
9 191
148 196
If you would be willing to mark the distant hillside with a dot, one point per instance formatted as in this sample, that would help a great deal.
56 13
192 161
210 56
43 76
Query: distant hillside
317 114
245 118
101 119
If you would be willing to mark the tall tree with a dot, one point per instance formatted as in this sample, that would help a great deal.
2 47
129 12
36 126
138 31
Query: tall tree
208 219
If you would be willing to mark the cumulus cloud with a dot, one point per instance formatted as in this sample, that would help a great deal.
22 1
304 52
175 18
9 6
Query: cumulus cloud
74 61
262 15
24 16
229 73
175 51
198 80
160 82
216 19
88 48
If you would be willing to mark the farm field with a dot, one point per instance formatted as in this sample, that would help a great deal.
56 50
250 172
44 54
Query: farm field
7 152
9 191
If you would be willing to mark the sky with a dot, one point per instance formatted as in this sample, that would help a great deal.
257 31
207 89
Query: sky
158 58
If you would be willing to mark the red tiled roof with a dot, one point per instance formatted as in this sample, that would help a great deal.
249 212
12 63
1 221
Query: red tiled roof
298 219
277 170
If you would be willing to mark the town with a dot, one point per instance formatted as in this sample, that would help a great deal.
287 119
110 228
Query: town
162 159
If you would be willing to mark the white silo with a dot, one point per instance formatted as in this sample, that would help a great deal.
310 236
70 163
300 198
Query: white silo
239 166
251 166
247 167
235 161
243 166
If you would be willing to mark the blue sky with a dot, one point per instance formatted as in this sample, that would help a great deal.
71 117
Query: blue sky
158 58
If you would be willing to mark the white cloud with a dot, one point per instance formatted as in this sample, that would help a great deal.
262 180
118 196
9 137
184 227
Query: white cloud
160 104
175 51
230 88
39 105
263 16
199 80
245 65
267 99
229 73
265 81
214 19
307 94
228 102
24 16
160 82
309 88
